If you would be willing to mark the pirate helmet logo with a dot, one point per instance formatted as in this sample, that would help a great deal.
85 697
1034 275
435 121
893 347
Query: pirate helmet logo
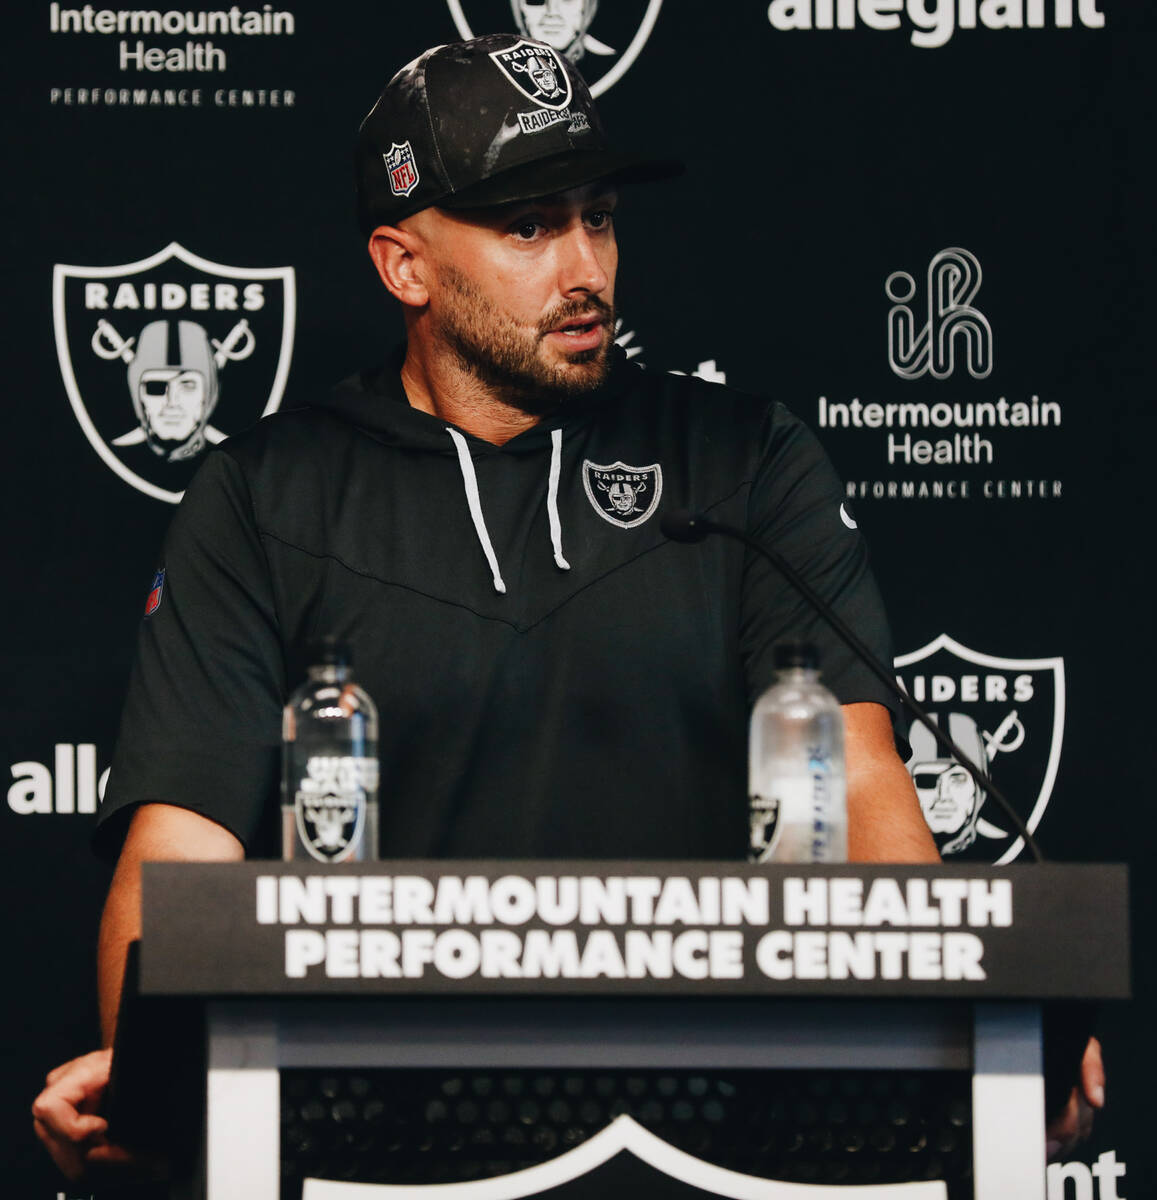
606 40
201 346
950 798
173 389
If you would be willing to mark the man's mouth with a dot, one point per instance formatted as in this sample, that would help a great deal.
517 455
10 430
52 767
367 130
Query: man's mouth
578 325
579 333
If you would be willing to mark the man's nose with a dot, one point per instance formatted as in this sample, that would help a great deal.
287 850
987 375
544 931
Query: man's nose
581 267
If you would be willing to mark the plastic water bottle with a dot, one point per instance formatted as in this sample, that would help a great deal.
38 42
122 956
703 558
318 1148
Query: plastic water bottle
329 779
796 784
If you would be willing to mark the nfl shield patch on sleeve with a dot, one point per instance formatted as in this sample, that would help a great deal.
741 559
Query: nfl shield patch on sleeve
154 600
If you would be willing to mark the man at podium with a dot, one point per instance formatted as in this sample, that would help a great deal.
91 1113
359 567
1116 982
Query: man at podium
479 519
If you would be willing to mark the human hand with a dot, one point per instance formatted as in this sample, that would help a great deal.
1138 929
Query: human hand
1075 1121
65 1119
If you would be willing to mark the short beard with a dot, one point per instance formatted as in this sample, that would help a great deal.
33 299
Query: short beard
492 348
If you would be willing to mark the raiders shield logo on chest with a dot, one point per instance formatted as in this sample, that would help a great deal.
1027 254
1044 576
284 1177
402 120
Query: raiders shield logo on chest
622 494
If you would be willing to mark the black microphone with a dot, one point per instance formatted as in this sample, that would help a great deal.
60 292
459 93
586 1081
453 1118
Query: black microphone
682 525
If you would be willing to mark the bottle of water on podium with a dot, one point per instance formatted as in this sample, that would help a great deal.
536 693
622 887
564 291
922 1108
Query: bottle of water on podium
329 778
796 785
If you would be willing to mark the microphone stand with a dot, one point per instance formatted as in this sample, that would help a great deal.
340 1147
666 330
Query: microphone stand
1067 1026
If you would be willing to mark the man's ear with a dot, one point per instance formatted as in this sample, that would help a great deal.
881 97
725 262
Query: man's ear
397 255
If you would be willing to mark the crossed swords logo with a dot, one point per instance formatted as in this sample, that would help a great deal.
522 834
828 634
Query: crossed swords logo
1009 736
108 344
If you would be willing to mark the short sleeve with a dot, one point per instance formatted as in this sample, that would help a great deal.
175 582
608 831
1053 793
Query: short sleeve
796 505
201 723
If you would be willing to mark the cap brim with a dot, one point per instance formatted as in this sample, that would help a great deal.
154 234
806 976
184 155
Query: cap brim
544 177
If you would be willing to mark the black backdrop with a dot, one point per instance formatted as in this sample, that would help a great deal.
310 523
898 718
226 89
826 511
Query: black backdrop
822 162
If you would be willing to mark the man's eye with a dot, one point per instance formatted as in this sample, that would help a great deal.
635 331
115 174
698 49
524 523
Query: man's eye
599 219
527 230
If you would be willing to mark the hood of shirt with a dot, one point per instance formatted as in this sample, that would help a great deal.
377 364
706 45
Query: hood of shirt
375 402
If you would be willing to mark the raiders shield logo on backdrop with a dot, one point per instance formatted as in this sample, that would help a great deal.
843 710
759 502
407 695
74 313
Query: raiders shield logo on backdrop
1008 716
621 494
603 40
166 356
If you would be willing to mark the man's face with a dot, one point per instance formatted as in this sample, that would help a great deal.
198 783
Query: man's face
523 295
556 22
173 402
947 794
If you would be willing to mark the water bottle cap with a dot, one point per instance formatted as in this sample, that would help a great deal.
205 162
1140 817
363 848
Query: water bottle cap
796 653
327 651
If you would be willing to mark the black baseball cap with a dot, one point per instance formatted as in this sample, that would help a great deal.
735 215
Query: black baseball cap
484 122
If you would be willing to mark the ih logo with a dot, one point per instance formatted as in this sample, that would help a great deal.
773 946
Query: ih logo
621 494
607 41
163 357
1008 716
953 281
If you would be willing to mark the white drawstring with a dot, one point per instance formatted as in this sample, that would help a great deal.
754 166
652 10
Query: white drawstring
470 484
474 501
552 498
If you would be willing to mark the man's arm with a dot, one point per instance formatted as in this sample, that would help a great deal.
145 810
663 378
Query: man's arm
157 833
64 1114
885 823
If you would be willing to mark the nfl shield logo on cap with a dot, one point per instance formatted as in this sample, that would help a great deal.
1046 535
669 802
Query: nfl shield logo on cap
402 169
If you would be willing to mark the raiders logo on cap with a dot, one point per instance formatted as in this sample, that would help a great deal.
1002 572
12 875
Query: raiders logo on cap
536 71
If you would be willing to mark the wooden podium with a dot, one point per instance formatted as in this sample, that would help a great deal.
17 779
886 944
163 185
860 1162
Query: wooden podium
612 964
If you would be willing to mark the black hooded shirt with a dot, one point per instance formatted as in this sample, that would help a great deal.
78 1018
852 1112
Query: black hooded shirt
554 677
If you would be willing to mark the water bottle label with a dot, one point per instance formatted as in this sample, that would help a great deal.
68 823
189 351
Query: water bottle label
330 804
764 813
791 822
